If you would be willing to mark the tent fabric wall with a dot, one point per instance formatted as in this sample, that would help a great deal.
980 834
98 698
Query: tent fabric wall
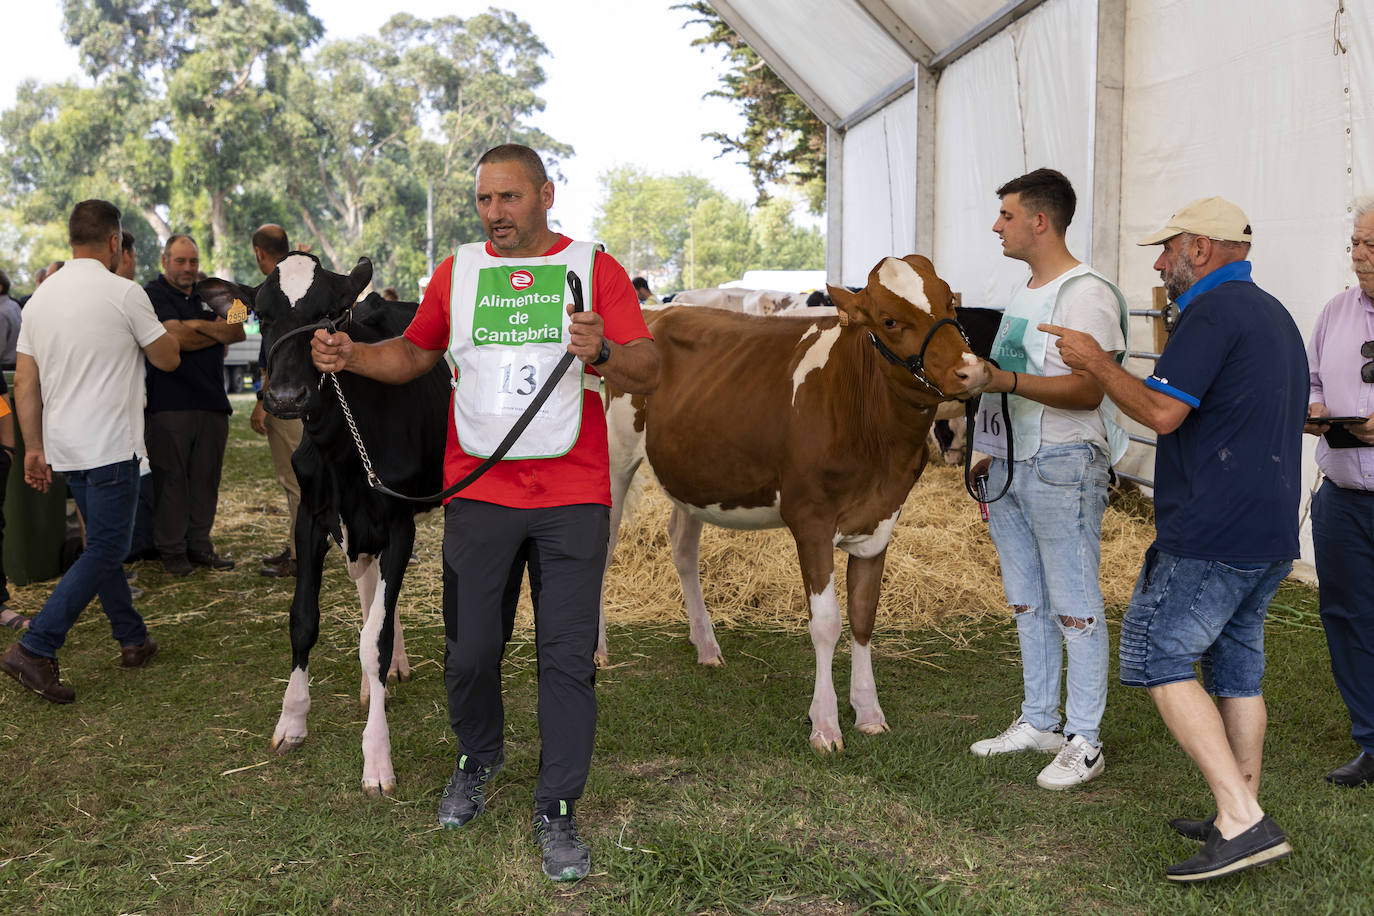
1021 100
879 193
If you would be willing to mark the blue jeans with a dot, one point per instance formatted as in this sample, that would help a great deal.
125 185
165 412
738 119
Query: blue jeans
1048 532
1186 610
1343 537
107 497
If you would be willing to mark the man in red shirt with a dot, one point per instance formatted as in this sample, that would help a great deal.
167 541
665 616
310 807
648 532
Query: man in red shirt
499 310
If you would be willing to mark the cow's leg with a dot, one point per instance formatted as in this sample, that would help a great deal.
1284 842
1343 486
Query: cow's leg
311 545
817 558
400 662
684 532
626 447
365 573
375 646
864 577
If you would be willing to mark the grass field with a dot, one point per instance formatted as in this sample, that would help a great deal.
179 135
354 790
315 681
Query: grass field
155 792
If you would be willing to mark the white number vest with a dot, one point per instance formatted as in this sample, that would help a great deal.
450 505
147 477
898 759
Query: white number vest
1021 347
508 328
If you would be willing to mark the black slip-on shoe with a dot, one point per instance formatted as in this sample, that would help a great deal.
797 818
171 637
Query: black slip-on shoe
1358 772
1193 829
1260 845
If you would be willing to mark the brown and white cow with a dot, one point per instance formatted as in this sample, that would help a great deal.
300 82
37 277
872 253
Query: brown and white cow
803 422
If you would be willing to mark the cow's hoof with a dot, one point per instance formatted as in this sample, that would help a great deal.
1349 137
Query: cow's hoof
872 728
373 788
601 659
711 661
823 745
287 743
398 675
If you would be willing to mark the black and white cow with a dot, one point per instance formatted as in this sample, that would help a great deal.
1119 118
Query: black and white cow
403 428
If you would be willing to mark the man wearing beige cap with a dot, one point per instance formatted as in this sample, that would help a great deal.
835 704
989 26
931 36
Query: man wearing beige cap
1227 401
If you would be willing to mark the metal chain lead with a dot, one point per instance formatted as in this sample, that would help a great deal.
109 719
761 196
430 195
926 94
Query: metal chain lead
372 479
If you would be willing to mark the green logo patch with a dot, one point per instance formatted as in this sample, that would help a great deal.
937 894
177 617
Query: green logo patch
519 305
1009 349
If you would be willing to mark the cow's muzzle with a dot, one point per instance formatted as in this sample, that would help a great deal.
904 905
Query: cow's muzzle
286 402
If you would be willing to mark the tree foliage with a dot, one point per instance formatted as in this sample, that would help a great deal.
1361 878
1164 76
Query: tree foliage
783 142
210 117
683 232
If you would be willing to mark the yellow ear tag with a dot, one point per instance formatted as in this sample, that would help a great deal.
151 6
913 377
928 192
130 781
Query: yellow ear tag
844 318
238 313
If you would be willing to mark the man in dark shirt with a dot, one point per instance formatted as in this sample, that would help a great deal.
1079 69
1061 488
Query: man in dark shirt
1227 400
187 415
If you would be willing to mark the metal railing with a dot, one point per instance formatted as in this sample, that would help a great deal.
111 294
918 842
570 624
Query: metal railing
1161 312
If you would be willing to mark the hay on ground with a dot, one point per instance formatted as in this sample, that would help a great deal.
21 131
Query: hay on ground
941 564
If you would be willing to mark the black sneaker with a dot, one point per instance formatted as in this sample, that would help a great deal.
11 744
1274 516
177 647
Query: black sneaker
1193 829
465 796
566 857
1260 845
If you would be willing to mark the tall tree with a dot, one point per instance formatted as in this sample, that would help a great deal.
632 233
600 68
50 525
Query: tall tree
641 217
217 62
782 142
684 232
375 127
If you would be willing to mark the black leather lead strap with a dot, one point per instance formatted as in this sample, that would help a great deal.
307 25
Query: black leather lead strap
970 426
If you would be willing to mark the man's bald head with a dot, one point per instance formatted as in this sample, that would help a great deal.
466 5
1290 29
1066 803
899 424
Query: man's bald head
270 245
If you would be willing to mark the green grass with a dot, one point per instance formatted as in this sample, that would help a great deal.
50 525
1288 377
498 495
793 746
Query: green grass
704 795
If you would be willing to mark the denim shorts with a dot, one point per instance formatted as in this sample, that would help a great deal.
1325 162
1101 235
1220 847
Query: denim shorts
1186 611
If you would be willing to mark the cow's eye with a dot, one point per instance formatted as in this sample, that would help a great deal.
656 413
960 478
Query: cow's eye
889 323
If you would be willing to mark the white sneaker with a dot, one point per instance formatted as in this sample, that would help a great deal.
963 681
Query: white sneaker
1078 762
1019 736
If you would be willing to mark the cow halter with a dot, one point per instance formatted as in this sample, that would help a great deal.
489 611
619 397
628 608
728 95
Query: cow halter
342 320
916 363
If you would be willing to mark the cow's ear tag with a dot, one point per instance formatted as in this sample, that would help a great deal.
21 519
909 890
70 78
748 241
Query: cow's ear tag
238 313
844 318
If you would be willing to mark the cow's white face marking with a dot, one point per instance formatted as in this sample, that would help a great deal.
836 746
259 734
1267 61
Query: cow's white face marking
296 276
815 357
902 279
868 545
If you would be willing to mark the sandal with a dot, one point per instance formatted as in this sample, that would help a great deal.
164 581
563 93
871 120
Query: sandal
13 619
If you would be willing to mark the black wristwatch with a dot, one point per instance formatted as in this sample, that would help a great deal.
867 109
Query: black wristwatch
605 353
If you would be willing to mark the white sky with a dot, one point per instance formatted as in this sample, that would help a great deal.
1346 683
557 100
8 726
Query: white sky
632 57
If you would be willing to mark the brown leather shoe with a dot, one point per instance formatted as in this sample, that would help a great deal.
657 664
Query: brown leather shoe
137 656
282 570
278 559
37 673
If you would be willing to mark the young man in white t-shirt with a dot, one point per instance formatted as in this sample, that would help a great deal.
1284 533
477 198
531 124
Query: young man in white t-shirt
1064 439
78 388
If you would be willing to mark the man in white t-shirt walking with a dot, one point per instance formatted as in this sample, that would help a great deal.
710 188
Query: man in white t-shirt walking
1064 438
78 387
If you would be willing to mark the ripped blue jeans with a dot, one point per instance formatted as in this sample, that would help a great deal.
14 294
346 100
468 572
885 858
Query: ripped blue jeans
1048 532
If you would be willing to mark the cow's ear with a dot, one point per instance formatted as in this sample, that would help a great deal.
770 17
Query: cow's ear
227 298
845 302
359 278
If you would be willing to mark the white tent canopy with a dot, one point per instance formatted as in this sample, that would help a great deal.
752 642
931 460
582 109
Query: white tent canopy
931 104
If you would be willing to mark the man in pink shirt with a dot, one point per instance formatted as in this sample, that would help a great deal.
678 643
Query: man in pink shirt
1341 359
